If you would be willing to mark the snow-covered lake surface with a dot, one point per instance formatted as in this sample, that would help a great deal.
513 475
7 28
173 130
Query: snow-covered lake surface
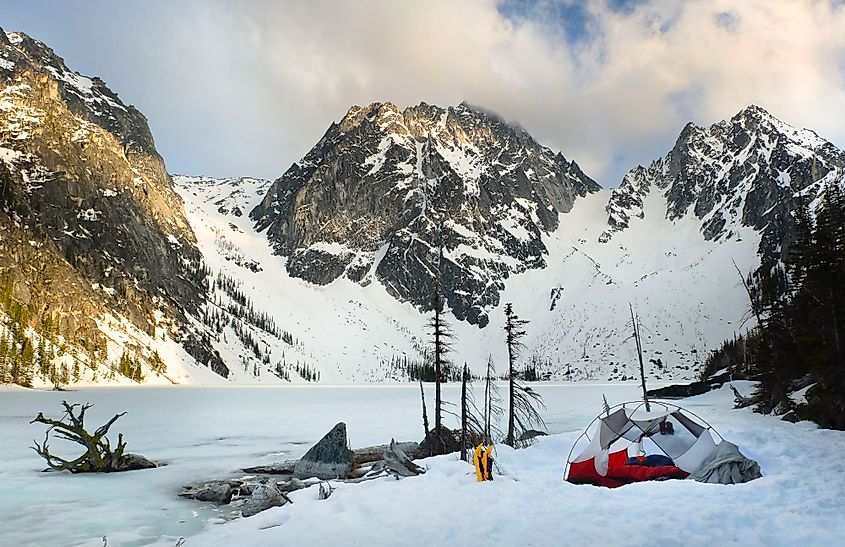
206 433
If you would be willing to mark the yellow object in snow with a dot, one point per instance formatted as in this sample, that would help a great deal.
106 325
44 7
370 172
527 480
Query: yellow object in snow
483 459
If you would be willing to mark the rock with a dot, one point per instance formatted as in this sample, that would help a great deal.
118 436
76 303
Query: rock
330 458
349 184
791 417
130 462
431 445
217 492
118 239
263 497
725 177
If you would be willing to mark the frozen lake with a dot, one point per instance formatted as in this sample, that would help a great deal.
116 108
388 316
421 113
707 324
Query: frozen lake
206 433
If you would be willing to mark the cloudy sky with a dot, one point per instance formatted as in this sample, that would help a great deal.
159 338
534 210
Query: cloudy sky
246 87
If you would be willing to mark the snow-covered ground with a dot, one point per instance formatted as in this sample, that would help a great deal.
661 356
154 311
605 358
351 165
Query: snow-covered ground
204 433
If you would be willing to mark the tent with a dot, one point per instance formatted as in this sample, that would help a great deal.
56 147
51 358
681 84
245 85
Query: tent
603 454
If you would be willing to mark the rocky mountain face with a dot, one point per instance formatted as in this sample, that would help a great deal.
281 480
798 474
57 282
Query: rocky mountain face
89 220
751 170
405 196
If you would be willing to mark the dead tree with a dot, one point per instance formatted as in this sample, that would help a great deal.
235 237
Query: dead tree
464 413
424 413
99 456
492 408
636 325
472 422
523 403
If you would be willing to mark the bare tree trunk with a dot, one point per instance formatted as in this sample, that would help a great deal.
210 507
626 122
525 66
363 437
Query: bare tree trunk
640 355
509 440
464 413
437 370
424 414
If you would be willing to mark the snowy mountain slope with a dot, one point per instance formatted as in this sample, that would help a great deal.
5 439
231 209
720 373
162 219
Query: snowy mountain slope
384 189
343 331
750 170
685 288
665 241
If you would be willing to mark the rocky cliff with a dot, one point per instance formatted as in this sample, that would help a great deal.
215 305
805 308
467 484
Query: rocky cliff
750 171
90 222
404 196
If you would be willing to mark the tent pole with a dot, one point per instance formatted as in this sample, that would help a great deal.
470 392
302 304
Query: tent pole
640 355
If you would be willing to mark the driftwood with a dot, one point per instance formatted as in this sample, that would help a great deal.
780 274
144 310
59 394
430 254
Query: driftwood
283 468
375 453
395 462
741 402
99 456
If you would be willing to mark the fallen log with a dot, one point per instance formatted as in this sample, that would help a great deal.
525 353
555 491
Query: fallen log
283 468
741 402
371 454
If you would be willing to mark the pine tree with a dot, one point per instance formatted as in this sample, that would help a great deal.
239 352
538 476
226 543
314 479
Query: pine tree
523 402
4 359
441 334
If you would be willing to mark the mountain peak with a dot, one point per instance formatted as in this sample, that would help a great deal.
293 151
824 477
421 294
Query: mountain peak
753 111
391 186
737 174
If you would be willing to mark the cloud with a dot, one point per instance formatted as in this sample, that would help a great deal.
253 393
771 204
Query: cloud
247 87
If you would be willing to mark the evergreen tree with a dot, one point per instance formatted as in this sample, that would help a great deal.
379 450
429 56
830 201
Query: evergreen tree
441 334
523 401
4 359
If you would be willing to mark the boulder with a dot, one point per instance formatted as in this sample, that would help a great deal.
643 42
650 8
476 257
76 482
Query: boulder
330 458
130 462
217 492
442 441
263 497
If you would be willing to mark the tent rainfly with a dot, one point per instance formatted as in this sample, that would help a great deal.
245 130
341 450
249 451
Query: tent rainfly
676 442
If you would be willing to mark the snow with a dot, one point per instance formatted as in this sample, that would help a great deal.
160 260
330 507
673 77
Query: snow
9 156
202 433
686 289
83 87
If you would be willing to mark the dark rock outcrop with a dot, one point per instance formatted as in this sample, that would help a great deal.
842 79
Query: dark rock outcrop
384 190
330 458
89 221
751 170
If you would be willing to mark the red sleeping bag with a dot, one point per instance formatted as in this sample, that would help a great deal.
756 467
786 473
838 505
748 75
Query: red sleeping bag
637 473
618 473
